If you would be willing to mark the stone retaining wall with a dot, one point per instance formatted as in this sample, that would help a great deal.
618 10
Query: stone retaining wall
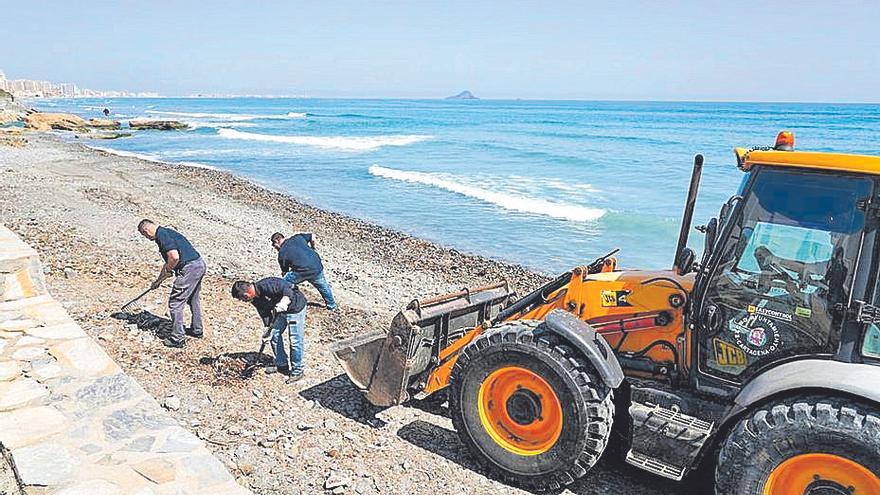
72 422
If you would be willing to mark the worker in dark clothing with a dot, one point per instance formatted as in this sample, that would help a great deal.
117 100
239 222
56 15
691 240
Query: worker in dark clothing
281 306
188 267
300 263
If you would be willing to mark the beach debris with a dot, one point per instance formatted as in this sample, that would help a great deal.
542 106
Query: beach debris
159 125
69 272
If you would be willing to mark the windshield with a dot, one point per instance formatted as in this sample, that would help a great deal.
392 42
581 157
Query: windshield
788 261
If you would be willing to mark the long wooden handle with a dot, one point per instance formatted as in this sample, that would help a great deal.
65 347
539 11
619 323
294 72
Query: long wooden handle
129 303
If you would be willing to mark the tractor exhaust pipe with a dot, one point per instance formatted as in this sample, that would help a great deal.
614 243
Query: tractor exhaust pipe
689 209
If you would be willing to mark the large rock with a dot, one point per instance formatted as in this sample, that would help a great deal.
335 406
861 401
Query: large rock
40 121
159 125
9 116
104 123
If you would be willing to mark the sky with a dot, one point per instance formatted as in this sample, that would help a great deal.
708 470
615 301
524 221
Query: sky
674 50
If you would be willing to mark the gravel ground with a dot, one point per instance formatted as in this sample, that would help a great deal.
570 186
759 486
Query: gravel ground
8 483
79 208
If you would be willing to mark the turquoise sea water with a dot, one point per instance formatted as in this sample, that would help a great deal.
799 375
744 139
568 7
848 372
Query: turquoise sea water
547 184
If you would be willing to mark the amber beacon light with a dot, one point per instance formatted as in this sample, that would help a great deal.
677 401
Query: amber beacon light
784 141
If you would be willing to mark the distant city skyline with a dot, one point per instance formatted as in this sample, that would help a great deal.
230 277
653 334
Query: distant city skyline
36 88
693 50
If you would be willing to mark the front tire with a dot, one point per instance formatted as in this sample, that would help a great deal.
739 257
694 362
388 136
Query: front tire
528 407
817 446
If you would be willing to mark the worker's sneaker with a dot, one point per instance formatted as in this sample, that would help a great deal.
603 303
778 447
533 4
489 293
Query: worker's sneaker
294 377
169 342
195 334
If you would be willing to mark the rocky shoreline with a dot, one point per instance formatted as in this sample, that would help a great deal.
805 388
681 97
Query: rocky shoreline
78 207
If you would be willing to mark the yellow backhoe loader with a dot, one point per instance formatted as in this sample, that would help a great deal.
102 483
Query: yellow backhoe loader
761 359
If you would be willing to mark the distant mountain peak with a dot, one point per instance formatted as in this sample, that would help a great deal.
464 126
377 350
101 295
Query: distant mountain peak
464 95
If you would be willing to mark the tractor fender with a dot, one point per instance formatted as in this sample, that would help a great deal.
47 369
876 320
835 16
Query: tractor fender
855 379
588 342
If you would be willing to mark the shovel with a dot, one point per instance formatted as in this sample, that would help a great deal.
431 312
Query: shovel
253 364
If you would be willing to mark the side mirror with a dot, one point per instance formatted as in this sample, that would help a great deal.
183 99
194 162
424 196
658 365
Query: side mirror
685 262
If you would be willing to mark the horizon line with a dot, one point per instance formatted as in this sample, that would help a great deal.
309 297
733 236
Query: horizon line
444 98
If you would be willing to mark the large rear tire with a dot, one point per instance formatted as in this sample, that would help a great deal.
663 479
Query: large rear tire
528 407
814 446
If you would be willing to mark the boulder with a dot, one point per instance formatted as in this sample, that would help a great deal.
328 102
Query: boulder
9 116
40 121
159 125
104 123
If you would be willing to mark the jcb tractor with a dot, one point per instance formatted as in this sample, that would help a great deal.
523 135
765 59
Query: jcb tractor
761 360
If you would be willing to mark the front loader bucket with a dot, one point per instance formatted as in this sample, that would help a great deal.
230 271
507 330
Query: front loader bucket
390 366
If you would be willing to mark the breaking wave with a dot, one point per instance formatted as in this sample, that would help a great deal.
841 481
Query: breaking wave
349 143
198 124
564 211
231 116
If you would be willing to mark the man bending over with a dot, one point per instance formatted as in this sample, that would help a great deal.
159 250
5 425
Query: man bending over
282 307
300 263
188 268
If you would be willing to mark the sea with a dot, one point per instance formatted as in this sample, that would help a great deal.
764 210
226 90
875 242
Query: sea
545 184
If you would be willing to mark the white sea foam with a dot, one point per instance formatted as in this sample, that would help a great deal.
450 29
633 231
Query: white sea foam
564 211
147 157
196 124
230 116
349 143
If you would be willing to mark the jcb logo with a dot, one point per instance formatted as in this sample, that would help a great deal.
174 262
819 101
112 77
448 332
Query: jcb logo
728 354
613 298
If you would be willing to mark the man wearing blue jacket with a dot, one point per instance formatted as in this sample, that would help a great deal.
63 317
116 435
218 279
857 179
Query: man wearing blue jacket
282 307
300 263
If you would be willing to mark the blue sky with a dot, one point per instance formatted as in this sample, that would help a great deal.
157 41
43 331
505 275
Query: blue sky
685 50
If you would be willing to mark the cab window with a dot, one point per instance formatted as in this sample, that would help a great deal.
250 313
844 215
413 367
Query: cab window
782 272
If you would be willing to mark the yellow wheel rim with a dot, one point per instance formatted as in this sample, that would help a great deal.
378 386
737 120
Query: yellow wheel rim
809 474
520 411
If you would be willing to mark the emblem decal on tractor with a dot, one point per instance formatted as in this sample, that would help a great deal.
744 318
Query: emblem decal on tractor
756 334
614 298
772 313
727 354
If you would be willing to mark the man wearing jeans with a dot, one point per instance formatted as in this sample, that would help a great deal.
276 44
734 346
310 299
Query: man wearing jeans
188 267
300 263
283 307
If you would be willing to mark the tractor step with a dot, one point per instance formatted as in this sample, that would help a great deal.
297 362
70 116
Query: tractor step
654 465
665 440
